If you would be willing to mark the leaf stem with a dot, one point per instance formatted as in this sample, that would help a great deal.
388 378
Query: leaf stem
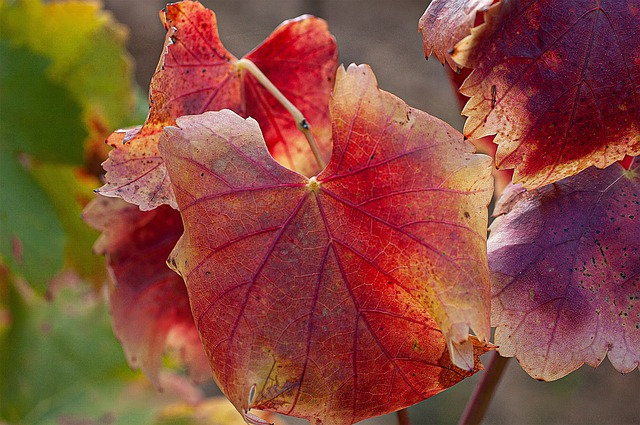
484 391
403 417
301 122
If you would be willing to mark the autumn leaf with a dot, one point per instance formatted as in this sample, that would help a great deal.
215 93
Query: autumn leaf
445 23
565 269
197 74
321 293
558 81
149 304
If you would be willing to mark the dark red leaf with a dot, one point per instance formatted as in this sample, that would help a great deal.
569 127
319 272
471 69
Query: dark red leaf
558 82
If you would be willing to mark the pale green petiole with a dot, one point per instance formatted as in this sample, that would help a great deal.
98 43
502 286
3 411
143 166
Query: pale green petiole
301 122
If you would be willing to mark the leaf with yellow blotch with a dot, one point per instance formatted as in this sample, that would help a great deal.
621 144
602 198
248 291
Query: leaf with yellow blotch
485 144
565 267
149 304
324 297
197 74
558 82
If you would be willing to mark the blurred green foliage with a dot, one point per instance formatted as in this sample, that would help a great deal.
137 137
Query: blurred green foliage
65 84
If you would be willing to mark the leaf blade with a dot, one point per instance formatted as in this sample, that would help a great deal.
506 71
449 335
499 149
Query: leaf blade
300 58
32 239
269 260
565 273
193 69
37 113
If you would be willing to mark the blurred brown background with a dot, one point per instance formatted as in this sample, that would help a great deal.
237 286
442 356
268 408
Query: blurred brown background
383 33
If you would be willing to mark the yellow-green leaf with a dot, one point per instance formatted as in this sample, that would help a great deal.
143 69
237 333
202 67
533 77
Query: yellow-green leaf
86 48
69 190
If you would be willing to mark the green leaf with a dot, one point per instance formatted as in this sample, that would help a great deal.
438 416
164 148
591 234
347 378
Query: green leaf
31 237
60 363
65 82
38 116
69 191
5 315
86 49
51 347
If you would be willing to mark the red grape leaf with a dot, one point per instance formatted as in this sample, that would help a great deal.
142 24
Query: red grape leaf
149 303
197 74
445 23
565 264
558 81
322 292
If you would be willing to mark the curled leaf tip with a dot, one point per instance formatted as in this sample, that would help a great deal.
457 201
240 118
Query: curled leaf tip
252 419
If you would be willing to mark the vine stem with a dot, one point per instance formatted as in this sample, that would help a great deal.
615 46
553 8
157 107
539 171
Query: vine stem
484 391
301 122
403 417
